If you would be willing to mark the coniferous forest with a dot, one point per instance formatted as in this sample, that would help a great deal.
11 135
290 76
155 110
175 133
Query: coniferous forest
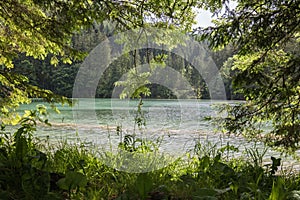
60 79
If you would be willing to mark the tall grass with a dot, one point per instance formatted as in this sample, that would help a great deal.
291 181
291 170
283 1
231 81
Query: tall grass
34 169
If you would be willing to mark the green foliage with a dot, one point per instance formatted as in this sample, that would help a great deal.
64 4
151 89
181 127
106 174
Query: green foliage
73 180
72 171
23 174
275 164
278 191
47 30
144 185
135 84
60 79
265 69
38 28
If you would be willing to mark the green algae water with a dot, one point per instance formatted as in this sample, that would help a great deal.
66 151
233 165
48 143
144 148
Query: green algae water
177 125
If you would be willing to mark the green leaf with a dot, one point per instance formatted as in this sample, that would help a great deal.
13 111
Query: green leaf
144 184
72 180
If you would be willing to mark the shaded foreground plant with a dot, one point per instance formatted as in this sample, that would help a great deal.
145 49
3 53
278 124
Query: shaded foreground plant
33 169
23 167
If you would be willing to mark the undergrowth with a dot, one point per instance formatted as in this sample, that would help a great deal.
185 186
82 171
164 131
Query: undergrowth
35 169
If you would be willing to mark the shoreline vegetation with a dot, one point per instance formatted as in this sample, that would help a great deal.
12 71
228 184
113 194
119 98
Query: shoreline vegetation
35 168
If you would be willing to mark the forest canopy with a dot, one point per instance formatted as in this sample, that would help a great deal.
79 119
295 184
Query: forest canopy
265 69
44 30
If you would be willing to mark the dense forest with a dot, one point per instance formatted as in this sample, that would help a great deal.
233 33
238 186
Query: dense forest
60 79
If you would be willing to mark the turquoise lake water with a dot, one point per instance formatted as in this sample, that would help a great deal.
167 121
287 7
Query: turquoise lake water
178 124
